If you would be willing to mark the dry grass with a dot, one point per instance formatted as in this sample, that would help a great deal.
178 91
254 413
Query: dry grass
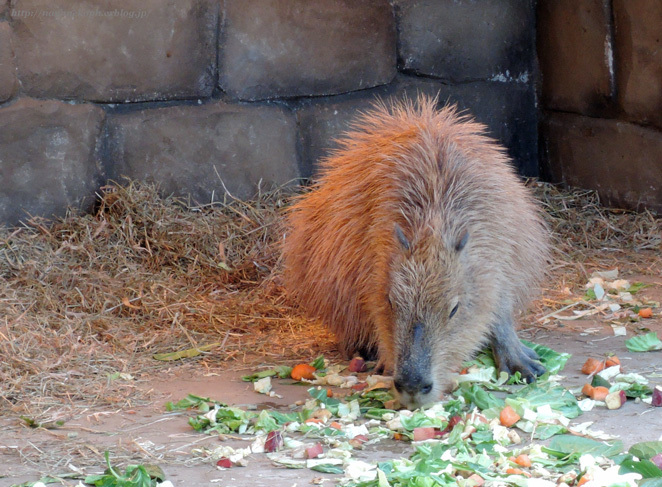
93 295
98 294
589 236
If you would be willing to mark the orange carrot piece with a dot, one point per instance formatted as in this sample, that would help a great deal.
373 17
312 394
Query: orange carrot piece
508 416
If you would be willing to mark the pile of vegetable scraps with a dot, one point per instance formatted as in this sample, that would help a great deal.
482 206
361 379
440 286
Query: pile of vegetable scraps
492 430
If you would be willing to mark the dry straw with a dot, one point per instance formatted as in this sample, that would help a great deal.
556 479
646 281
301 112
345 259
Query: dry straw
91 296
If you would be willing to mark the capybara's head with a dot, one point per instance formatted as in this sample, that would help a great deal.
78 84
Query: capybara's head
427 285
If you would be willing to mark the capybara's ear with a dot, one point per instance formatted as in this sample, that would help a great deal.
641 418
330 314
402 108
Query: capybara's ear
401 238
462 242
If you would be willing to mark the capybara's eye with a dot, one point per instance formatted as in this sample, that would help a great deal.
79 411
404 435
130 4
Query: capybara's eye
454 310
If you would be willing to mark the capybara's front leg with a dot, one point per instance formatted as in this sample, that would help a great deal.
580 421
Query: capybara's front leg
511 355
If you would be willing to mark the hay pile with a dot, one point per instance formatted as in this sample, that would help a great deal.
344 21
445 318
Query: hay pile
94 295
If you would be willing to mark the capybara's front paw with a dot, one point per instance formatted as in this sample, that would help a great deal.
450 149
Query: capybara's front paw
383 368
520 359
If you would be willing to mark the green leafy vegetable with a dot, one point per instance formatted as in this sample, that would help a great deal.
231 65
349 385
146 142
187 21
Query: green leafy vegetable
135 476
328 468
646 450
474 394
644 343
636 287
553 361
282 371
646 468
203 404
318 363
569 445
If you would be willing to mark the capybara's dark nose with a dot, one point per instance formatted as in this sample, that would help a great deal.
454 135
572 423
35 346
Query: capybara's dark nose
412 384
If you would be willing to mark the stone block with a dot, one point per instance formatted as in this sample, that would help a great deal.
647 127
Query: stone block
576 56
461 40
116 51
322 120
638 26
201 150
288 48
508 109
48 158
620 160
8 84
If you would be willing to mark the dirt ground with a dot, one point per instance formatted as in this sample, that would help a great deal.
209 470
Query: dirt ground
146 432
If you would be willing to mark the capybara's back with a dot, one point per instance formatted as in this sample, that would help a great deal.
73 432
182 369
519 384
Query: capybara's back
417 245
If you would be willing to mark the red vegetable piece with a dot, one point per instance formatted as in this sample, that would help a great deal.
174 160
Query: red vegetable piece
657 460
314 451
357 364
358 441
360 386
274 441
657 396
451 424
424 433
224 462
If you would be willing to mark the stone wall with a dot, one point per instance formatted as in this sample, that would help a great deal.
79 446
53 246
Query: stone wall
206 97
601 64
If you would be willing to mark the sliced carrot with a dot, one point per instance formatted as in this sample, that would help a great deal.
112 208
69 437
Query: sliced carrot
315 421
523 460
335 425
303 371
329 393
587 390
583 480
517 471
592 366
612 360
646 313
599 393
508 416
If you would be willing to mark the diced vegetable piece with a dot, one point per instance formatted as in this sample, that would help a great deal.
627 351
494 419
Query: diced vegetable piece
477 479
224 462
358 441
612 360
424 433
273 442
615 400
646 313
523 460
357 364
657 397
657 460
587 390
517 471
303 371
508 416
592 366
599 393
314 451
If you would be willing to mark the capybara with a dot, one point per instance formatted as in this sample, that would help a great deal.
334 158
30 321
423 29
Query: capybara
417 245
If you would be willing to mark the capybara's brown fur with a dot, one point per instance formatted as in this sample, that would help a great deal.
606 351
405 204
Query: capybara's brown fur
417 244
